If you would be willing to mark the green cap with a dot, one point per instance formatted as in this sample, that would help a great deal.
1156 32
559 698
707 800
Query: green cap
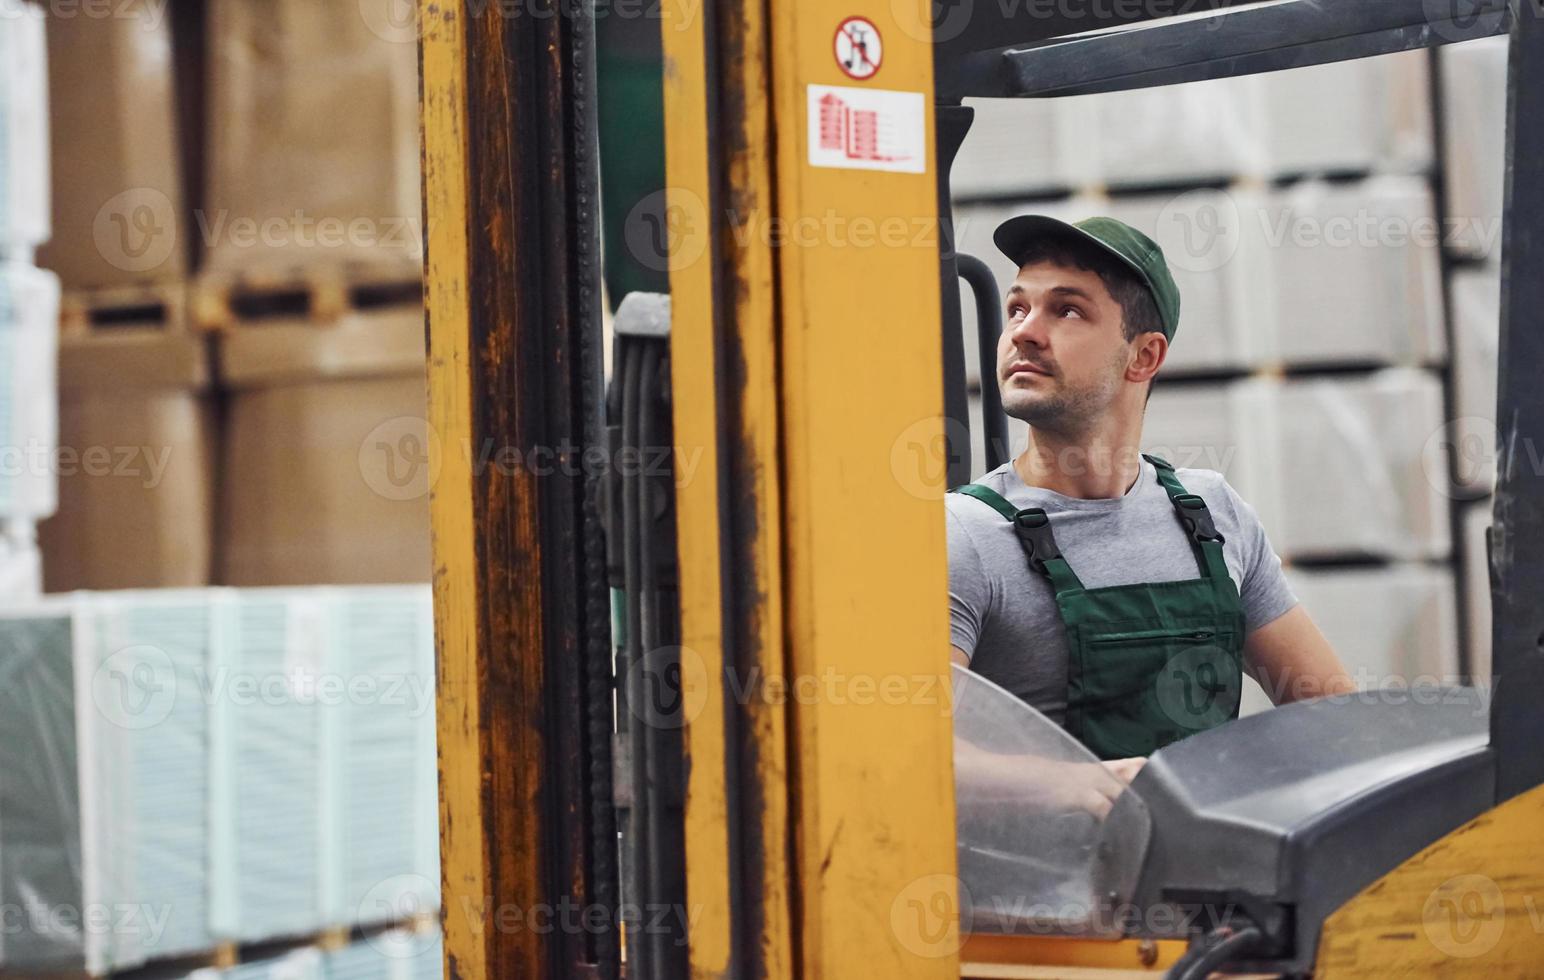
1135 250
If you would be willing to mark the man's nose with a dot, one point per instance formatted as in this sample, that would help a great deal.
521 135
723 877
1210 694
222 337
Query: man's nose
1029 329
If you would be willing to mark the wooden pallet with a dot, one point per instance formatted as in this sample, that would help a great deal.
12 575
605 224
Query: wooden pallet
148 307
319 296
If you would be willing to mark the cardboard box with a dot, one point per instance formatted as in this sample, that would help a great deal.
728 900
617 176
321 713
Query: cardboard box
29 399
313 137
327 482
23 130
1015 146
119 213
136 485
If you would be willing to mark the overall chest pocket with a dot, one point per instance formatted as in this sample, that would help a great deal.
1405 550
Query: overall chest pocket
1134 691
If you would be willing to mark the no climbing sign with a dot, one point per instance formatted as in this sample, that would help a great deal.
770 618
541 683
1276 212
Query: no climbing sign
858 48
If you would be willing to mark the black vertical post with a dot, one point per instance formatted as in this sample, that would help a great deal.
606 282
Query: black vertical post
1517 537
953 122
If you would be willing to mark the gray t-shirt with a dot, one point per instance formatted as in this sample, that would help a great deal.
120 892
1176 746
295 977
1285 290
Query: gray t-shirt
1003 614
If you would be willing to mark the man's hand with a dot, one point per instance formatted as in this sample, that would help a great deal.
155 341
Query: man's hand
1126 769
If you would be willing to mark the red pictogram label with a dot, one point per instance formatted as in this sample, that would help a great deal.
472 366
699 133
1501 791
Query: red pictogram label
858 47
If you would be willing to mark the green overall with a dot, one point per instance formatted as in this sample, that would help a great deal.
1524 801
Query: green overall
1148 664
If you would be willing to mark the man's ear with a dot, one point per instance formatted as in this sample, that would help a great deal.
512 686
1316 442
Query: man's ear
1148 354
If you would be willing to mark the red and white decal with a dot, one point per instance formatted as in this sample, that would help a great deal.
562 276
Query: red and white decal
859 49
867 128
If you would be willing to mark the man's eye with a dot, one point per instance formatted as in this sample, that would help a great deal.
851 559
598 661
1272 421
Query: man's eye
1072 311
1015 312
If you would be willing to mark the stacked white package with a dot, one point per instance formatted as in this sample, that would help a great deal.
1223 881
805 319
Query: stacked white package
1393 626
1474 137
382 767
1476 297
1477 519
103 817
29 395
1353 473
1215 249
1227 427
1015 146
24 180
396 954
1381 122
275 692
1356 273
1181 133
1335 466
298 964
21 561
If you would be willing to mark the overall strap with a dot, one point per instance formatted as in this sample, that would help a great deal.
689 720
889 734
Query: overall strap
1033 529
1195 518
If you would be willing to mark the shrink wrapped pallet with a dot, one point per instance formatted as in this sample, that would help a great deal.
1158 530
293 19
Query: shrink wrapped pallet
1474 137
1475 294
104 825
1394 625
23 130
29 397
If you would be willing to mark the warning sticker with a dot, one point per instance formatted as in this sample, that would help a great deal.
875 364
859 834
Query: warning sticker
867 129
858 47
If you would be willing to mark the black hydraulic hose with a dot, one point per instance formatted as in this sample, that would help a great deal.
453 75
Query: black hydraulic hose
1216 949
989 327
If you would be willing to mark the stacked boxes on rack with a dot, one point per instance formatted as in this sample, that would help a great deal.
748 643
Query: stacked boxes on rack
1298 217
136 415
239 242
202 766
29 301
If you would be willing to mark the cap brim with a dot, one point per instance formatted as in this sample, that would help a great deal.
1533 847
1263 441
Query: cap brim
1014 236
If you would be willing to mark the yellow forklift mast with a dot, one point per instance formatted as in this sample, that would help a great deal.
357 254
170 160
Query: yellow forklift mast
696 713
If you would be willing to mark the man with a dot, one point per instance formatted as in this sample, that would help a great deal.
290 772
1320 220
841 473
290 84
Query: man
1119 596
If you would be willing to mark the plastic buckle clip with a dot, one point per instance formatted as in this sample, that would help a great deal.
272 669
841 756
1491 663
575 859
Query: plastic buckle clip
1034 531
1193 513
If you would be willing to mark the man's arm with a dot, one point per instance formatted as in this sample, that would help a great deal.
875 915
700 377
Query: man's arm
1292 660
959 656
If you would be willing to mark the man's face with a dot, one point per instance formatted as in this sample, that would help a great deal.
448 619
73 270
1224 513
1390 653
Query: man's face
1063 354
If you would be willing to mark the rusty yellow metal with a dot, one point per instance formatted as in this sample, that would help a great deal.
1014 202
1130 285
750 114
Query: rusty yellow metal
871 767
464 850
694 369
993 956
1468 905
